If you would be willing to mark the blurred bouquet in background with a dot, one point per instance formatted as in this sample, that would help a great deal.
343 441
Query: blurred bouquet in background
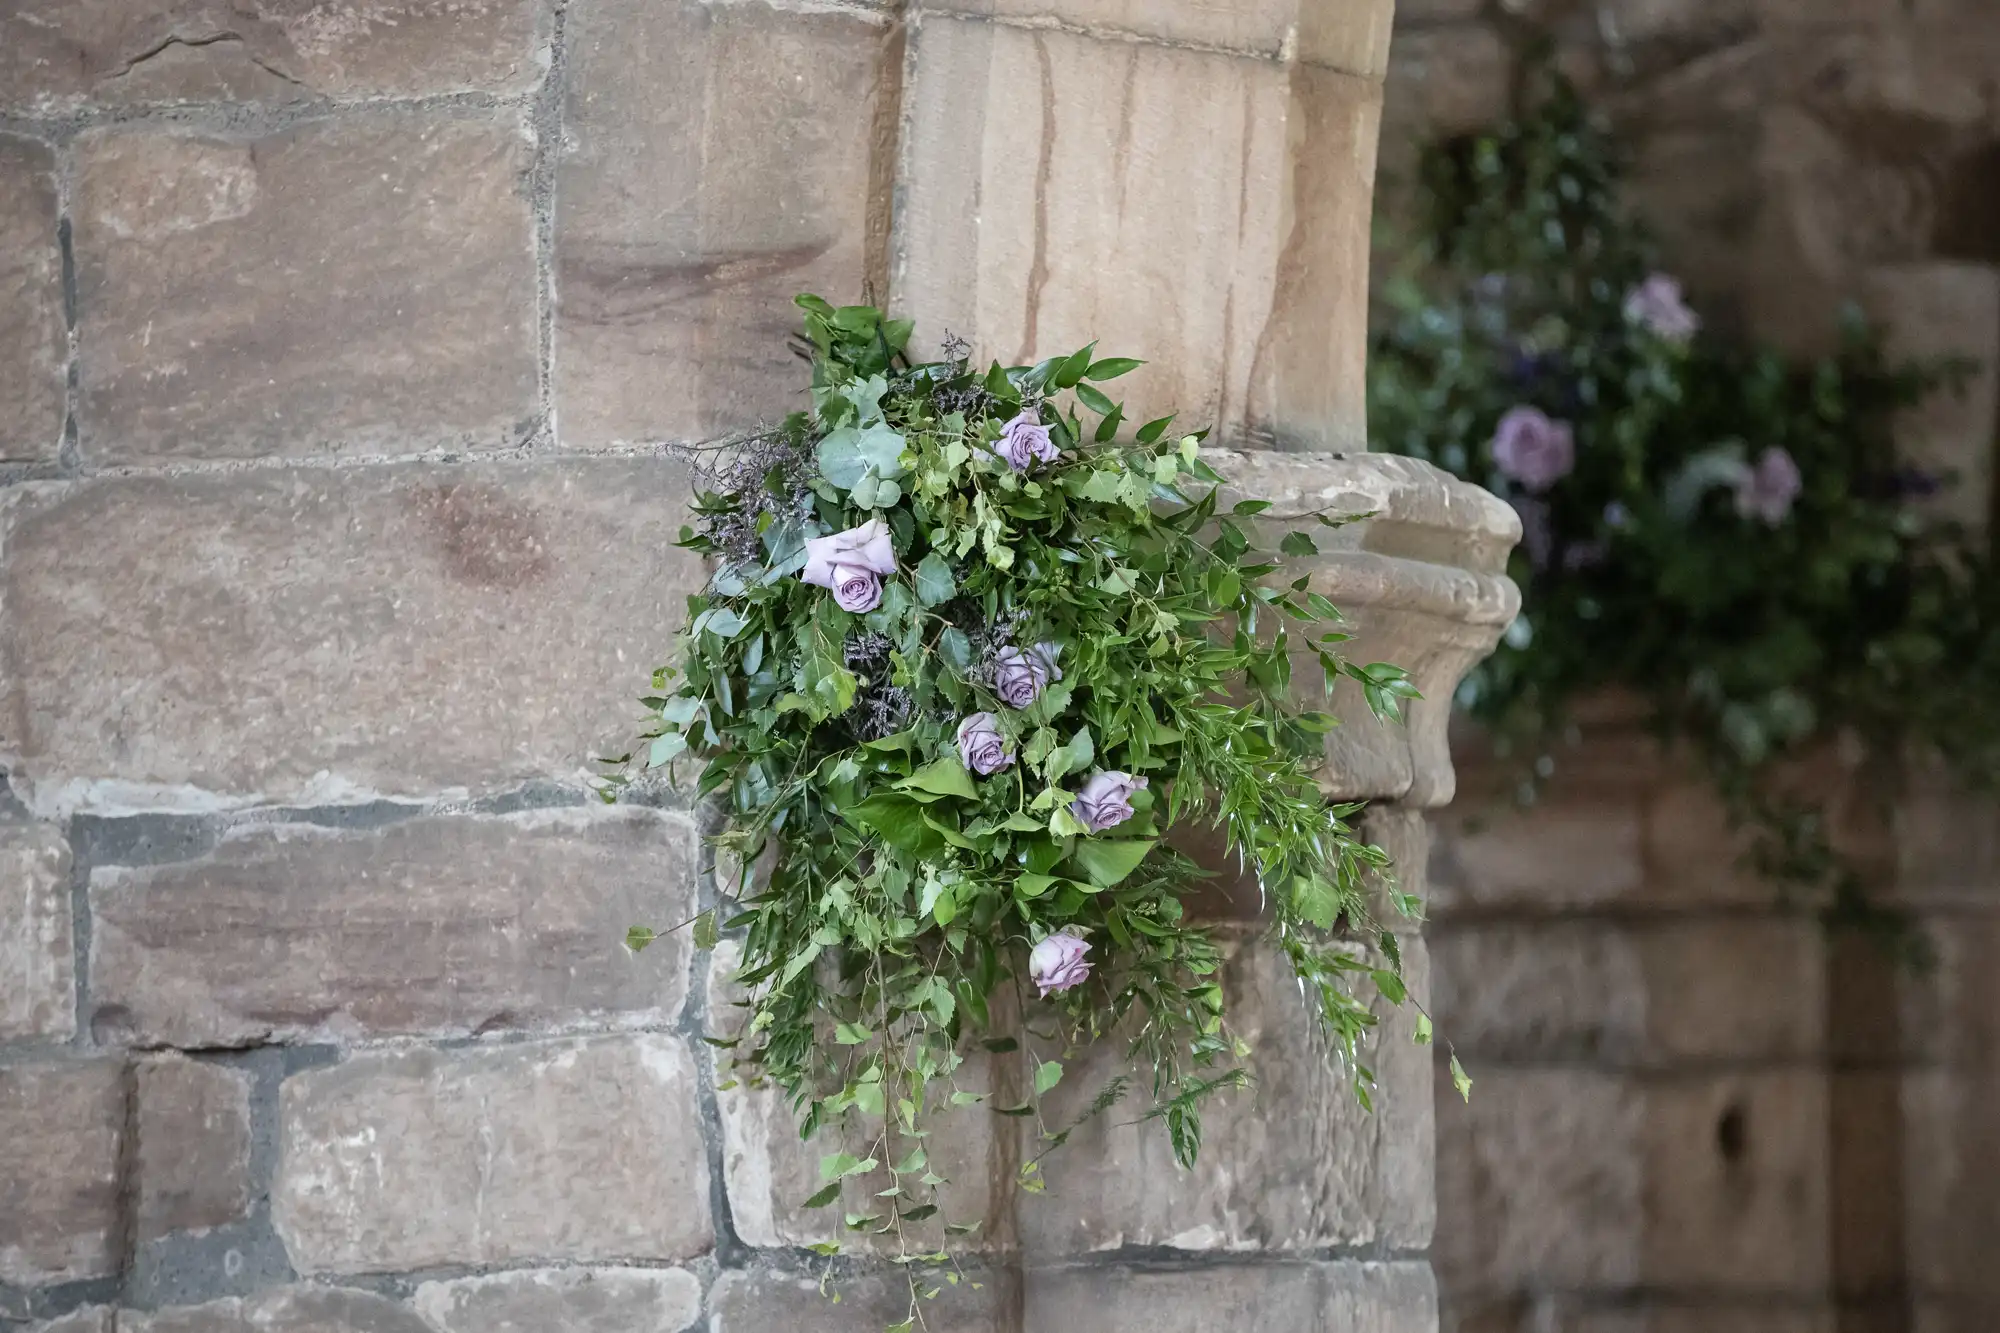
1722 532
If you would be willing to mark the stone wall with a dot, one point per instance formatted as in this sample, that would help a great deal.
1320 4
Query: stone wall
1694 1110
337 341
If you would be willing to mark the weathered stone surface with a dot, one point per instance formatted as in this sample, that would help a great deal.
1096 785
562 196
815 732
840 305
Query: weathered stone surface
203 335
1291 1163
1443 81
434 925
675 278
284 1310
1247 296
1632 994
1352 37
760 1300
193 1150
588 1151
769 1171
37 954
59 54
1947 839
565 1300
1539 1178
34 343
401 629
1935 312
1347 1296
1560 852
1572 1178
60 1130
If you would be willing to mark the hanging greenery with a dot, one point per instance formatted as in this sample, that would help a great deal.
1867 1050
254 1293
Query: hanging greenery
1727 534
968 652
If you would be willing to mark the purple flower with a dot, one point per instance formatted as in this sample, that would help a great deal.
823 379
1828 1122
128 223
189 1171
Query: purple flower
1023 440
852 564
981 745
1768 490
1616 515
1020 677
1058 963
1106 800
1533 450
1656 304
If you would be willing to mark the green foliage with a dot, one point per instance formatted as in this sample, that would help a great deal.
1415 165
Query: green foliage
905 890
1755 637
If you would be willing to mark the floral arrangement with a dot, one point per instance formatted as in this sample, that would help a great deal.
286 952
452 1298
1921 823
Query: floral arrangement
1725 534
967 657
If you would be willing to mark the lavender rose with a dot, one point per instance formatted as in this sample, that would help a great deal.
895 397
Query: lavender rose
1020 677
1023 440
1656 305
981 745
851 564
1530 448
1106 800
1058 963
1768 490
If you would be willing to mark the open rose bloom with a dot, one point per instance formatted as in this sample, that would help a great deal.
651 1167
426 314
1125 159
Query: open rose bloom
851 564
981 747
1058 963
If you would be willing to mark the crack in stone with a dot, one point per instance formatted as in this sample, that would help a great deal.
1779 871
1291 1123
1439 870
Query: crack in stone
193 43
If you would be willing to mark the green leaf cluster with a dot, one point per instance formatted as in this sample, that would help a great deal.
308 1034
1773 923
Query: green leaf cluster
904 892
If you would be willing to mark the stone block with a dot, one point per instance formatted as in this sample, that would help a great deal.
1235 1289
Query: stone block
759 1300
1562 852
61 1130
1644 993
1933 312
674 281
1947 839
583 1151
90 1319
1540 1182
363 285
398 630
1247 296
34 338
1349 1296
443 926
1290 1163
769 1171
58 55
564 1300
37 952
1350 37
281 1310
193 1150
1577 1179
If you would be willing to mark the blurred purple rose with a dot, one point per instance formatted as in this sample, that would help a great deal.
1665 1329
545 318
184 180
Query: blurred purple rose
1106 800
1530 448
1656 304
981 745
1058 963
1023 440
1020 677
1768 489
851 564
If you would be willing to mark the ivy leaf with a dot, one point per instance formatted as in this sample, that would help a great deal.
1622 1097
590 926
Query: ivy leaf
898 819
849 453
637 938
851 1034
1298 544
1107 861
822 1197
1111 367
839 1166
1095 400
1423 1033
665 749
1047 1074
946 776
705 935
1315 899
1074 367
1033 886
934 581
1461 1080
